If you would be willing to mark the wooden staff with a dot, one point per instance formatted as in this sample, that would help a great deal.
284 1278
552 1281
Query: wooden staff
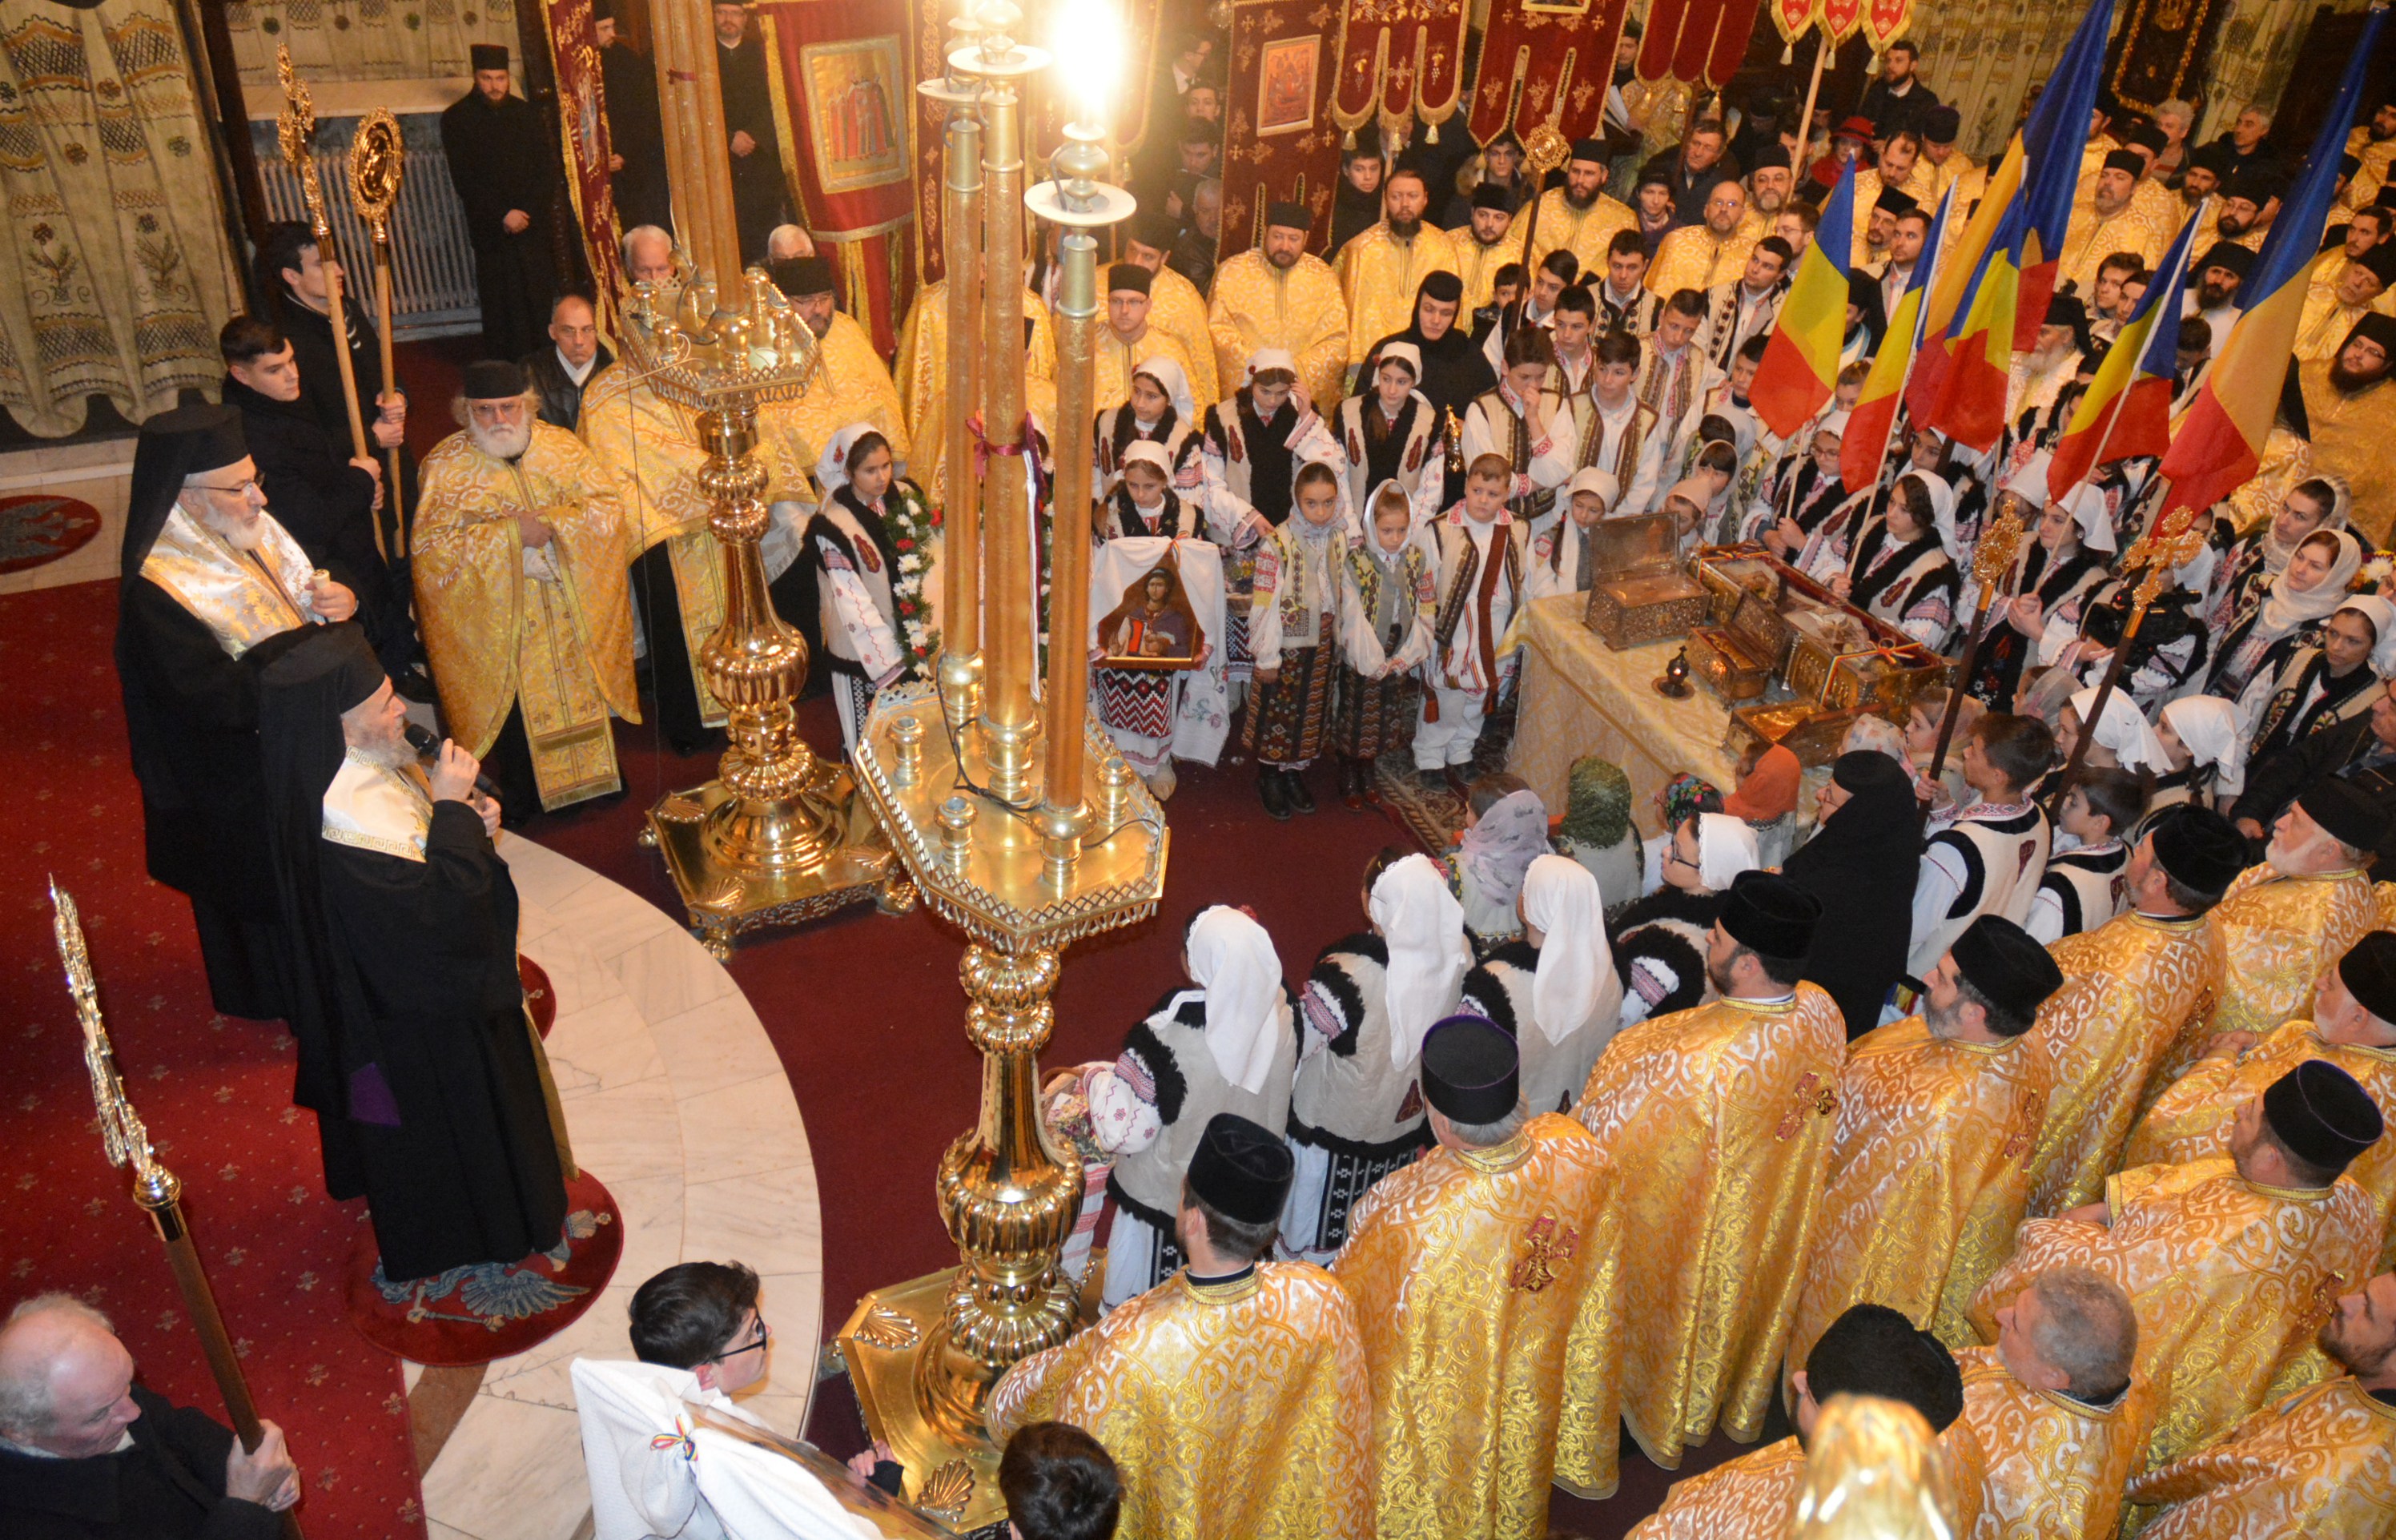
2162 555
375 160
1997 543
296 130
1805 120
155 1187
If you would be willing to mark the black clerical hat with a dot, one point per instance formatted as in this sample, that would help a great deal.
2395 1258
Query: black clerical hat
1591 150
1941 123
2381 261
1873 1350
1771 157
798 277
2146 137
2322 1116
1490 195
2227 254
603 10
487 56
1128 278
1767 913
201 437
1288 215
2379 329
1240 1170
492 379
1470 1069
2368 971
2344 812
2198 849
2007 966
1895 200
2257 185
1154 228
1861 768
2127 160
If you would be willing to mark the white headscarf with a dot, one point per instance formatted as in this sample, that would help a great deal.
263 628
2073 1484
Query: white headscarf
2382 616
1833 422
2028 480
1423 926
2207 726
1560 897
1149 452
2286 607
1942 508
1232 959
1404 352
2086 506
2122 730
1269 358
831 469
1170 379
1725 847
1588 478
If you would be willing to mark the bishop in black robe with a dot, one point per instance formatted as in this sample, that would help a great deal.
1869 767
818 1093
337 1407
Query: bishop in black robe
759 196
503 161
402 927
636 133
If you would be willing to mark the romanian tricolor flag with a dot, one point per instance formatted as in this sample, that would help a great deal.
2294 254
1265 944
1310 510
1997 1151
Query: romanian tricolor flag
1801 361
1876 415
2015 273
2126 409
2220 440
1949 295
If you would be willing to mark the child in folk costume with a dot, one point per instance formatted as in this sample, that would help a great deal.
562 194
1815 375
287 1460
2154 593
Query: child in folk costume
1388 597
1255 439
1661 940
1563 560
1355 1111
1293 625
1390 431
871 588
1156 592
1227 1045
2052 572
2207 754
1802 494
1554 987
1526 427
1159 411
1482 548
2087 885
1990 859
1144 501
1900 571
1617 431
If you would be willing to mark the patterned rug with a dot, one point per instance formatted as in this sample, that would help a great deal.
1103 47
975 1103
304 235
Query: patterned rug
37 529
540 998
1434 816
495 1309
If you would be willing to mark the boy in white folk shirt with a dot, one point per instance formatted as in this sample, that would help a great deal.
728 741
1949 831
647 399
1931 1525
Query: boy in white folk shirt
1482 548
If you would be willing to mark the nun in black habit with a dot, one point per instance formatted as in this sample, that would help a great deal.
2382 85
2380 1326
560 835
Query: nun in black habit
1861 865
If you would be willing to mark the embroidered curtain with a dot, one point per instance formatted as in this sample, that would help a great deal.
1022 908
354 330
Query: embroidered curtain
334 40
2252 57
1983 56
124 273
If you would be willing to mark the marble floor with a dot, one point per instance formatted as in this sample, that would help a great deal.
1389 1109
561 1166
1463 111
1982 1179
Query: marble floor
675 1099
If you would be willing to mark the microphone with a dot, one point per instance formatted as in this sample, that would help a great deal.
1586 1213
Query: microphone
427 746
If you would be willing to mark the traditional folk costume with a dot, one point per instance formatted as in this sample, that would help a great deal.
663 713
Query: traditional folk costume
1117 358
872 584
1480 588
2051 1468
1250 468
1495 424
1485 869
1379 271
1227 1045
1355 1114
2321 1461
1467 1269
1988 861
1625 441
2278 933
1561 1001
2296 695
1387 600
1909 584
1689 1330
441 1115
2284 611
531 645
1409 448
1733 316
1238 1407
1176 430
189 607
1294 619
1563 560
1928 1164
2230 1279
2084 888
1674 384
1298 310
1158 716
650 448
1661 940
921 377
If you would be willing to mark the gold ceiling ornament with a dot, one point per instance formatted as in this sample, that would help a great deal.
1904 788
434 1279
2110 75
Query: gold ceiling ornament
1019 822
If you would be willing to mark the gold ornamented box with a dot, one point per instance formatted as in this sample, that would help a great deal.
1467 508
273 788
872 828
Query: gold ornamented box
1801 727
1640 592
1737 659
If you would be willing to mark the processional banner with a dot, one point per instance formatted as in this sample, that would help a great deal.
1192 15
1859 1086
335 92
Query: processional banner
1698 41
584 147
1545 66
1400 61
1280 143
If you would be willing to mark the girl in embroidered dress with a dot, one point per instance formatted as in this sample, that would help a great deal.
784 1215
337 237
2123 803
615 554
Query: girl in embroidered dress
852 541
2311 683
1159 411
1253 441
1387 591
2304 593
1293 624
1554 987
2206 751
1803 493
1900 571
2051 572
1390 431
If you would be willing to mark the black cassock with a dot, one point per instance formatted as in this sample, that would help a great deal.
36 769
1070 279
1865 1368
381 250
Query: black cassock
636 133
422 959
311 334
501 158
168 1486
758 195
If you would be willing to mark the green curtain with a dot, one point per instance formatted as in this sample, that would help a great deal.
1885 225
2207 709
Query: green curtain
365 39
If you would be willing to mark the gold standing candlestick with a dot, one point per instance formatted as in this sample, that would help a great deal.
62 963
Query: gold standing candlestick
377 159
998 837
777 837
960 666
295 131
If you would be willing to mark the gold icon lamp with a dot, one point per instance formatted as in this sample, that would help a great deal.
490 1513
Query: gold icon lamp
986 792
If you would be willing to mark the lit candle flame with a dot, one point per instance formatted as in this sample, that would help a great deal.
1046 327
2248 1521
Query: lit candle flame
1089 48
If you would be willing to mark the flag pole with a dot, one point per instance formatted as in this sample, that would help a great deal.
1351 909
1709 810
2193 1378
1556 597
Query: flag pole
1805 120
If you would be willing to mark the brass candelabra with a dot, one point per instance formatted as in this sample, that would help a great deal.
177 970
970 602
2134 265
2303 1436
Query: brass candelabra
1012 813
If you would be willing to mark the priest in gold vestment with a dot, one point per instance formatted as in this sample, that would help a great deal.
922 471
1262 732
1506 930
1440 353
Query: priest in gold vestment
1578 216
922 377
1381 268
1492 240
1713 251
2055 1418
1466 1268
1174 306
2351 404
1131 337
1721 1117
2285 921
1282 295
850 383
2131 987
519 566
2353 1026
2320 1462
1928 1168
1233 1395
1869 1350
2230 1264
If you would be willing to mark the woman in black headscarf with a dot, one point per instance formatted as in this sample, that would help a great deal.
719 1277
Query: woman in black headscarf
1867 318
1861 863
1454 369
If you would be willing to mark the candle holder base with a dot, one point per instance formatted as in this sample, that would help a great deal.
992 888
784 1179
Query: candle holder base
726 899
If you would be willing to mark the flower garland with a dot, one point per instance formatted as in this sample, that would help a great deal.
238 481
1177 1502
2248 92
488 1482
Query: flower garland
911 521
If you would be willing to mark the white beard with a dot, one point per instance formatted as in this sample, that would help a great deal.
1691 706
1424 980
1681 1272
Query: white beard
388 755
505 443
248 538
